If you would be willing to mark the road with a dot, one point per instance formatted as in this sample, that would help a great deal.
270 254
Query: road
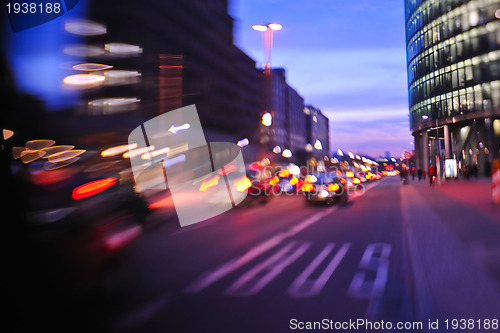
266 269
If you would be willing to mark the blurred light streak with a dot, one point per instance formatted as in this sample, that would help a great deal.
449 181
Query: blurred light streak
50 151
39 144
84 28
122 48
83 51
227 169
122 238
18 151
136 152
149 155
31 155
243 183
294 181
171 161
118 150
208 183
83 81
91 67
58 165
92 188
65 155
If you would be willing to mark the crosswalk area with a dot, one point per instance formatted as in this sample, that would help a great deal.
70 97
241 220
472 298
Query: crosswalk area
254 274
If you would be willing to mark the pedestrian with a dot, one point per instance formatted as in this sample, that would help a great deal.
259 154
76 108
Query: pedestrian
466 172
413 173
432 175
420 174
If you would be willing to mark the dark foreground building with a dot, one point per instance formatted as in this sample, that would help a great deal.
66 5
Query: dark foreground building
453 60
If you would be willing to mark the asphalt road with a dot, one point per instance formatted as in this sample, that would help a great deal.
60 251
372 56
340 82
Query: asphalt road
269 268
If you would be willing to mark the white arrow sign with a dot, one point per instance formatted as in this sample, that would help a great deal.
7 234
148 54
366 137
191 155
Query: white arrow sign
175 129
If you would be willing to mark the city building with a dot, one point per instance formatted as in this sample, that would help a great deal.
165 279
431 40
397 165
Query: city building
317 133
454 82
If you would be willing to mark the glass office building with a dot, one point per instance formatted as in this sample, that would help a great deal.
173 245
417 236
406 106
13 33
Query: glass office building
453 57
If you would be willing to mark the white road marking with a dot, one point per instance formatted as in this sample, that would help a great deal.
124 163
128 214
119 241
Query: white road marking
261 275
375 258
305 287
211 277
229 267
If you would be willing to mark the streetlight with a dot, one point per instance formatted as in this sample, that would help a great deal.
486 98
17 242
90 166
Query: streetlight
267 29
267 118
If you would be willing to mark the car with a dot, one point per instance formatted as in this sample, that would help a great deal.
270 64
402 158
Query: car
324 189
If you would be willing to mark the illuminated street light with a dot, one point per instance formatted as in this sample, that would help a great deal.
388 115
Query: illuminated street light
287 153
267 119
267 29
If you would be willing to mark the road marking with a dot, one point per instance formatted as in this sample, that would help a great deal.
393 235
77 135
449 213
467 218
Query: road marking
305 287
210 278
234 264
261 275
375 259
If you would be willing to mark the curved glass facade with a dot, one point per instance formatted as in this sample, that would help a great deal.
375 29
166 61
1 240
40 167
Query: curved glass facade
453 57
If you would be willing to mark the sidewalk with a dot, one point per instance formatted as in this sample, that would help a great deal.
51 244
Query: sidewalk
452 234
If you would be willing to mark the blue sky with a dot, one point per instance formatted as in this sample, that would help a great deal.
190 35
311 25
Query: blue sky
346 57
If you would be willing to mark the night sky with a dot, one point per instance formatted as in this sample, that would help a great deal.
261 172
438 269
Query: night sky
344 57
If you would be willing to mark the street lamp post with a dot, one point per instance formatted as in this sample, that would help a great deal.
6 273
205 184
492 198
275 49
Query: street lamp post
267 29
265 136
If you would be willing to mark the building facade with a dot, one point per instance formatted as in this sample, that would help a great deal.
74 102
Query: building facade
317 133
453 63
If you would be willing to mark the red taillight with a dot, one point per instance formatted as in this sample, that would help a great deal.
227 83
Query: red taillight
92 188
333 187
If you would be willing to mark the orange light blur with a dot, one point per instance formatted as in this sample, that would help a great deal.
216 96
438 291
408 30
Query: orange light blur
284 173
243 183
307 187
255 166
208 183
275 180
93 188
349 174
227 169
333 187
294 181
343 181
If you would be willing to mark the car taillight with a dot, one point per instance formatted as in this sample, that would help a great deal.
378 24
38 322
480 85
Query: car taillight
307 187
92 188
333 187
275 180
